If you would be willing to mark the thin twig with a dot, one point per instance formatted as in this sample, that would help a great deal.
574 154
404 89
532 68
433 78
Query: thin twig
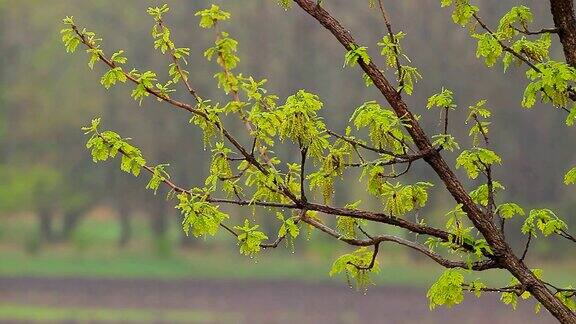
477 266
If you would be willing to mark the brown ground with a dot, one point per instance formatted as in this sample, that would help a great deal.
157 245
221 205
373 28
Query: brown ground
262 302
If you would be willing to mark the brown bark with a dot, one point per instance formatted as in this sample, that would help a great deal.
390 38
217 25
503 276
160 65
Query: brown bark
502 251
565 23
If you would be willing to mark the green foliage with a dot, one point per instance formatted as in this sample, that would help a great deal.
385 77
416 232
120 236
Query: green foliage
132 160
478 110
447 290
392 52
444 99
289 228
99 149
157 12
410 75
219 166
570 177
209 17
207 123
107 144
480 195
520 15
454 225
356 53
111 76
552 82
385 129
511 297
93 128
489 48
463 11
537 50
225 49
159 175
571 118
69 37
301 123
446 141
117 57
367 80
476 287
201 218
509 210
266 185
95 54
286 4
356 267
400 199
145 84
333 166
347 226
567 297
481 248
476 160
390 47
250 238
461 234
162 41
480 128
545 220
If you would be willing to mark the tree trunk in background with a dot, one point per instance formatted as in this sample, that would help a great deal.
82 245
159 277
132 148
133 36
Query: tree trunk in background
120 204
158 217
565 22
160 211
119 199
46 217
69 223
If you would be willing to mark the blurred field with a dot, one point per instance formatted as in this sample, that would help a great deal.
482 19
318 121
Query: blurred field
90 280
93 251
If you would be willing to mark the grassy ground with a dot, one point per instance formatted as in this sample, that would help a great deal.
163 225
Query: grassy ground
226 266
91 315
93 252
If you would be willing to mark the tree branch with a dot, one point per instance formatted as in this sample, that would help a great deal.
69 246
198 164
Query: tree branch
525 31
565 22
395 42
502 251
376 240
